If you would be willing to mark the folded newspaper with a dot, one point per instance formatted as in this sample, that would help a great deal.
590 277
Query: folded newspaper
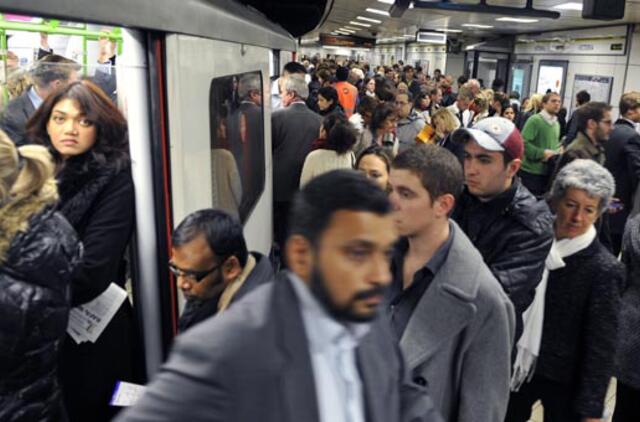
88 321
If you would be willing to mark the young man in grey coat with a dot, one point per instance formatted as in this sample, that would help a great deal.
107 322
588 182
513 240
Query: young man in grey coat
454 322
308 347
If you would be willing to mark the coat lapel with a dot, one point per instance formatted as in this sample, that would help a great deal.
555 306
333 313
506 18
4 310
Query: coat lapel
297 382
372 368
447 305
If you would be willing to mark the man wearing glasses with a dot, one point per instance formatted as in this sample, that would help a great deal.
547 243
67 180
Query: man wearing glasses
594 127
212 266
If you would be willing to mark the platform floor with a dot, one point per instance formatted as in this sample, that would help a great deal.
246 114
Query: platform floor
538 411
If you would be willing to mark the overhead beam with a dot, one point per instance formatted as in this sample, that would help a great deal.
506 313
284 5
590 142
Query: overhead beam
399 7
483 7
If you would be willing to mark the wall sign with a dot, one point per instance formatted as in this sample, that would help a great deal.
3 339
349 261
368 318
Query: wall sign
599 87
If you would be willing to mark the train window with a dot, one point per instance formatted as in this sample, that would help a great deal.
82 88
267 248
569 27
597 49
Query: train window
237 142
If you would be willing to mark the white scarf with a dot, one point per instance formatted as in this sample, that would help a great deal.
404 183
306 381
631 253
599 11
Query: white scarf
528 348
551 120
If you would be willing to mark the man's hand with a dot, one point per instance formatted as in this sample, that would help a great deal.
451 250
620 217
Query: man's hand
44 41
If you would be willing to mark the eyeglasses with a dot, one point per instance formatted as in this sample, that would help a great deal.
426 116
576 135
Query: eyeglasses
197 276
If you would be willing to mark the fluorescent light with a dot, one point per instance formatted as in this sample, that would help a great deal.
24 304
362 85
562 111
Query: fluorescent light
476 25
519 20
366 25
569 6
377 11
448 30
362 18
387 1
351 28
347 30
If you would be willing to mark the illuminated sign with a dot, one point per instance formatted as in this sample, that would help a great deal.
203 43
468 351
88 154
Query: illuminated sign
346 41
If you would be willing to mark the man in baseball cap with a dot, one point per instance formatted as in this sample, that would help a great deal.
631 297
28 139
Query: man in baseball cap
509 226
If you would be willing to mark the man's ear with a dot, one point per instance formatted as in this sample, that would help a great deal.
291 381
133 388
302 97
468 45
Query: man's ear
231 269
444 204
299 254
513 166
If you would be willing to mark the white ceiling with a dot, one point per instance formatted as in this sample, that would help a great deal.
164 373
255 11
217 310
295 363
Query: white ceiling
344 11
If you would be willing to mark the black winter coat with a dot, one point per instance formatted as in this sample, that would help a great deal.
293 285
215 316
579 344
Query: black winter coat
580 326
35 285
99 202
628 350
513 232
623 161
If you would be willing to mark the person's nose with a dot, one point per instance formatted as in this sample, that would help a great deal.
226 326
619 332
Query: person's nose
71 126
184 283
381 272
393 198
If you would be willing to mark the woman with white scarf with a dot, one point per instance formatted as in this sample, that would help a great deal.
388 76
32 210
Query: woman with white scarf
565 356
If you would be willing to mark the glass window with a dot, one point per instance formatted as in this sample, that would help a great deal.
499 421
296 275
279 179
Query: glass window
237 142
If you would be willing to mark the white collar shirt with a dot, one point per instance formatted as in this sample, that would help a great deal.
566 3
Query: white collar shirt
332 347
34 97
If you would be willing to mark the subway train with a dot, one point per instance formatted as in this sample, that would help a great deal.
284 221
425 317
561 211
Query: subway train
174 59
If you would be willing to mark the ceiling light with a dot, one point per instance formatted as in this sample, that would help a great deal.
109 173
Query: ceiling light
377 11
366 25
347 30
387 1
351 28
476 25
448 30
362 18
519 20
569 6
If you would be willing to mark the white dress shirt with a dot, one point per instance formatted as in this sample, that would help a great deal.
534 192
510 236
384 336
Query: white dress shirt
332 346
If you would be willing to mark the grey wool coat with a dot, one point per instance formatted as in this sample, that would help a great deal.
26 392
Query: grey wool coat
459 338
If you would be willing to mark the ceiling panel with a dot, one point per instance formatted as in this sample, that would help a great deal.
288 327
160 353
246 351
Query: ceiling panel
345 11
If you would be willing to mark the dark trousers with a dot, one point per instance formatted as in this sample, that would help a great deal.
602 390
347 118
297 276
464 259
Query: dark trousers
627 404
536 183
556 398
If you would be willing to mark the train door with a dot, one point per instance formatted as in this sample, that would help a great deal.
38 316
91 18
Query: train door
220 132
488 66
520 79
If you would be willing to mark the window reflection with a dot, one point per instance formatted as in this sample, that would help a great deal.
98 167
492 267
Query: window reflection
237 142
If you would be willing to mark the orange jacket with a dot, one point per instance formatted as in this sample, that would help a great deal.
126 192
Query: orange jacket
347 97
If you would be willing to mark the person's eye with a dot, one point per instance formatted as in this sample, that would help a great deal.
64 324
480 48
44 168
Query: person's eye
85 123
358 254
485 160
58 119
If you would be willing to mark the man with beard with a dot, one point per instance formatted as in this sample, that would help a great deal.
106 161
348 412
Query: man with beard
212 265
453 321
594 127
309 346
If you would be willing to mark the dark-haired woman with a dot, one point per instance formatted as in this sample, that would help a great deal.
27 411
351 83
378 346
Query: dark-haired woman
332 150
375 163
383 128
328 102
87 136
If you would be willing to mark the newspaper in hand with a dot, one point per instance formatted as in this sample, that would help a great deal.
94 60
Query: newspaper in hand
88 321
126 394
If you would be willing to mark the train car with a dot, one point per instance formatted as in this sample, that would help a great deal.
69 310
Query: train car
178 65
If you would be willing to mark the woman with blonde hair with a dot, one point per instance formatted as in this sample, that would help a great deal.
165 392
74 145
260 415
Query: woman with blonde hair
39 251
533 107
445 123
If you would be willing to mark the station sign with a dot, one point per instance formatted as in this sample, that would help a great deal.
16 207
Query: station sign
346 41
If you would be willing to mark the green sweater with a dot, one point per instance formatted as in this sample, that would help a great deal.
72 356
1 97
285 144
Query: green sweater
538 135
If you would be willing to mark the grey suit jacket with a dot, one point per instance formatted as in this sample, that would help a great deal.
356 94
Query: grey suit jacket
14 118
293 130
459 338
252 363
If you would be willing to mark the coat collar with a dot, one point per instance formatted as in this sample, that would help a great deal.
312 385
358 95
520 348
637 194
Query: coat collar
447 305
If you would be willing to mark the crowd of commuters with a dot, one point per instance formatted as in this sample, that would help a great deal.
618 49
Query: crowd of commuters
441 256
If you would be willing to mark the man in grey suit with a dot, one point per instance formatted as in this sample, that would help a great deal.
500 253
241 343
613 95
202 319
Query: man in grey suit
48 74
454 323
308 347
293 130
